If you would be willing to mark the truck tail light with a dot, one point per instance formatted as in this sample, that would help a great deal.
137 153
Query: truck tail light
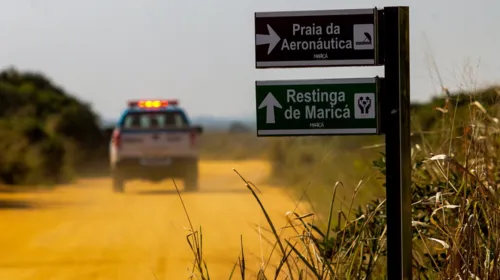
192 137
116 139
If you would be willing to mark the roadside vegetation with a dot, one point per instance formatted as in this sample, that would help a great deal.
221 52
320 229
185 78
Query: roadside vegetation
455 187
223 145
45 133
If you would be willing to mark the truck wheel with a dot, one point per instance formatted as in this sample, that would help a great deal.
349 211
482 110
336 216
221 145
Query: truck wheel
191 176
118 183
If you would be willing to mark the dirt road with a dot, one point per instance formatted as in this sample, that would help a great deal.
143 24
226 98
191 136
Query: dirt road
84 231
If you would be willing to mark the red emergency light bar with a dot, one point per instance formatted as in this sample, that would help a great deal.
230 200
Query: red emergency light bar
152 103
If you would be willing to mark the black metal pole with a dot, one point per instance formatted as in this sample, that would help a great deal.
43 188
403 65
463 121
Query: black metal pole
397 139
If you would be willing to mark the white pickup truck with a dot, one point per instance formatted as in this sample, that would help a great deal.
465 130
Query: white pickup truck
154 140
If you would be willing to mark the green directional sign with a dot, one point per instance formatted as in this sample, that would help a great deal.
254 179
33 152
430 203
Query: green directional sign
317 107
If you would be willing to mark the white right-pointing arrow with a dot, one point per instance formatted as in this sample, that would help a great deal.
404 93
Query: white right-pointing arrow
272 39
270 102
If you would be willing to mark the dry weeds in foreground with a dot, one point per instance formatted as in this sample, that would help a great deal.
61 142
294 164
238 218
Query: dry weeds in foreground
455 210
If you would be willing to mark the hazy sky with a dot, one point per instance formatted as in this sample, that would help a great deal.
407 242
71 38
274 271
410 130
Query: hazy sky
202 53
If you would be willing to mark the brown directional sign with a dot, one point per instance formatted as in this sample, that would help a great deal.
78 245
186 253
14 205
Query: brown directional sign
316 38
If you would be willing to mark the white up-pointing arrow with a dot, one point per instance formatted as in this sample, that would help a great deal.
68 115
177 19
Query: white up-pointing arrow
270 102
272 39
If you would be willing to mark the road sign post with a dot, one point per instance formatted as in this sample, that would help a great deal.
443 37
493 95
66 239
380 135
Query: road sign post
317 107
396 123
363 37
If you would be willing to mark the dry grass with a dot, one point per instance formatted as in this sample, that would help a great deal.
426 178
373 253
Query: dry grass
232 146
455 207
456 219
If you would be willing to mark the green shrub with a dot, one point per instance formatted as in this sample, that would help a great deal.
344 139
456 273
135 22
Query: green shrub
44 132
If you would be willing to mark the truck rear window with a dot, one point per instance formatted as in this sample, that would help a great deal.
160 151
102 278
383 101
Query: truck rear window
154 120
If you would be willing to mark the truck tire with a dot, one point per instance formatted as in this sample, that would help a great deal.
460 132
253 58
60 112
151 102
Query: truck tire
191 176
118 182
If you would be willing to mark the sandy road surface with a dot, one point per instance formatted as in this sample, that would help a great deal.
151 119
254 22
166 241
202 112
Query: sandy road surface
84 231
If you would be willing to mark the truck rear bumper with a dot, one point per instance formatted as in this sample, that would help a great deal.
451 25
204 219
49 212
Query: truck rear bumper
137 168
